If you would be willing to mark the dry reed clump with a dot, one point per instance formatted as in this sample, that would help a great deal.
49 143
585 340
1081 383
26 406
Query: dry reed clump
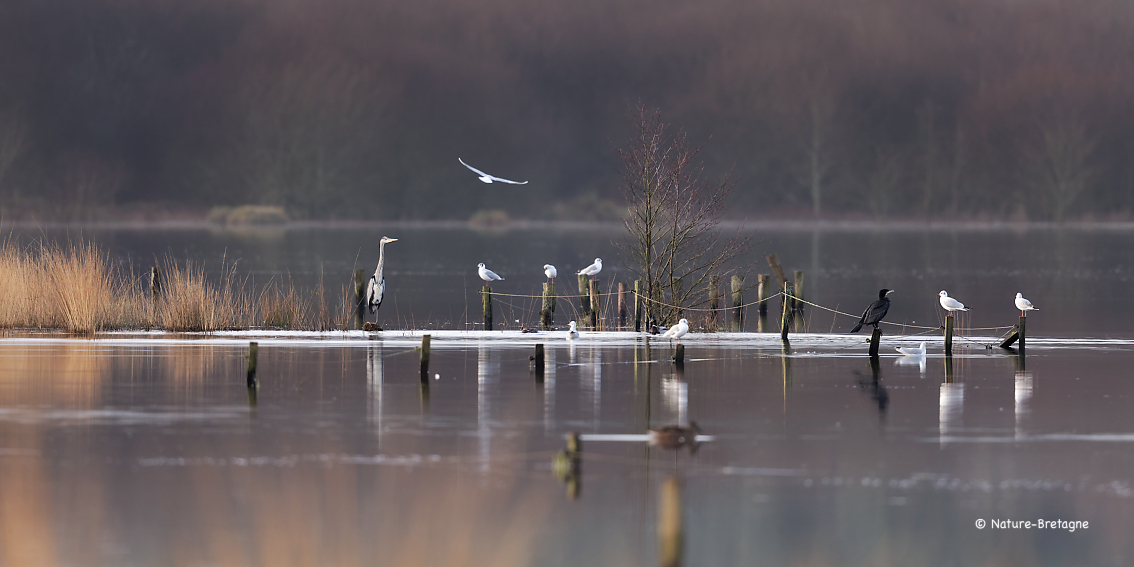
75 288
79 289
189 302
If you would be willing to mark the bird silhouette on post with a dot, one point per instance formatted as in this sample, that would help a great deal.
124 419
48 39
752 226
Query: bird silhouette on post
877 310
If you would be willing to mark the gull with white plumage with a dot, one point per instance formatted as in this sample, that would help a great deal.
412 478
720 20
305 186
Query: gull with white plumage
1024 305
485 274
950 304
592 270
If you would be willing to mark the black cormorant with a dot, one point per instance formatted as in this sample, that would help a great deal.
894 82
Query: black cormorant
875 312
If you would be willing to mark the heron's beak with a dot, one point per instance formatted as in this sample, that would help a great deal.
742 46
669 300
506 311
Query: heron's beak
391 240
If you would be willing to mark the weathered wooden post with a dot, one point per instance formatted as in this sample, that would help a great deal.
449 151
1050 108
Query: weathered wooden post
679 355
155 283
584 298
359 312
796 304
737 304
777 271
1023 332
537 362
949 335
596 305
670 534
875 338
762 293
714 301
253 350
547 314
623 297
425 358
785 321
638 304
486 307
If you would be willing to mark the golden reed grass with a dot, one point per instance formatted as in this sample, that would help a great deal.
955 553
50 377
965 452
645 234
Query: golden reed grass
78 288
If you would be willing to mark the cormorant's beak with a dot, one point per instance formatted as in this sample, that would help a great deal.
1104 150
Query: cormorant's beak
891 291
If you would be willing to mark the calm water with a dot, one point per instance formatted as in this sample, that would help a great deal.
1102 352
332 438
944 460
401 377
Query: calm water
149 450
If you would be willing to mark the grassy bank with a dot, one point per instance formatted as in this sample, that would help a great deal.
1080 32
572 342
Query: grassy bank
78 288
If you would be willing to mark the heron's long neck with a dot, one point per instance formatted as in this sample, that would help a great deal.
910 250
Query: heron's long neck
381 261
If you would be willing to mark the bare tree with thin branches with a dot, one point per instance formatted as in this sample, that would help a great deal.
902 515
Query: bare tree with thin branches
672 217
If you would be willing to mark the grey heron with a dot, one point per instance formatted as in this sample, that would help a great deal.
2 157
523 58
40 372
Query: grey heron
489 178
376 287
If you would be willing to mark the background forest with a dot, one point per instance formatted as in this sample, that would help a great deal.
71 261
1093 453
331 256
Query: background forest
943 109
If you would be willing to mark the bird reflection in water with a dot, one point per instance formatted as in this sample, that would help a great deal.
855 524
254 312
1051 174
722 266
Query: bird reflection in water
567 465
873 387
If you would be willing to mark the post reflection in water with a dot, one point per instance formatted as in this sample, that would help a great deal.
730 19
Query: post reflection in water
592 382
950 403
487 377
675 394
549 390
1023 394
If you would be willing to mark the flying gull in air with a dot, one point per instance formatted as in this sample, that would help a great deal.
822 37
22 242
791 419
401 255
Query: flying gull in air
489 178
951 304
876 311
486 274
1024 305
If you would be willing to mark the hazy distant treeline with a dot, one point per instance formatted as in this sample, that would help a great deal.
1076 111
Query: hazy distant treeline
360 108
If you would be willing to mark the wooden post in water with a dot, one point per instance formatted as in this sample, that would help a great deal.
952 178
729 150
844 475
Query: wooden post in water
875 338
714 301
670 534
777 271
796 304
425 358
253 350
1012 337
547 314
949 335
486 307
787 314
584 299
737 304
538 362
1023 331
763 280
638 306
359 312
679 355
596 306
623 298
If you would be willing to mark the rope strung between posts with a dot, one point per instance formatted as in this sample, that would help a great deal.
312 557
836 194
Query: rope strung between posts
757 302
663 304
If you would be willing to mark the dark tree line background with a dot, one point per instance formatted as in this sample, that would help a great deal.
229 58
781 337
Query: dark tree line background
983 109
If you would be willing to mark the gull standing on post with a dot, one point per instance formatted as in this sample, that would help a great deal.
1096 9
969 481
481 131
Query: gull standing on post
876 311
593 269
485 274
951 304
376 287
549 271
1024 305
677 331
489 178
